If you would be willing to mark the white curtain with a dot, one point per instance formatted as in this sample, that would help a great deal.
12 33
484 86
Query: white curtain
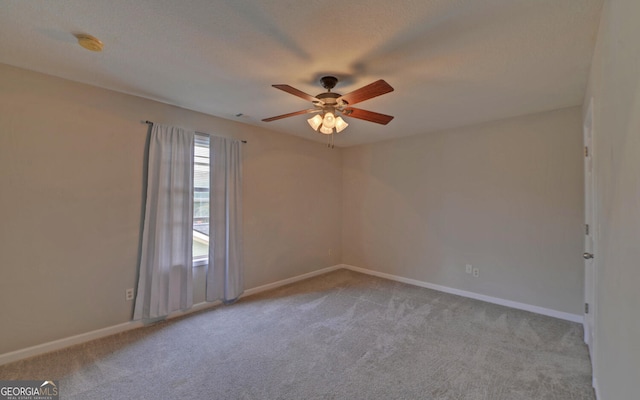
165 280
225 269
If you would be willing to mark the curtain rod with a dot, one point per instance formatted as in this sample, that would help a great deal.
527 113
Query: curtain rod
201 133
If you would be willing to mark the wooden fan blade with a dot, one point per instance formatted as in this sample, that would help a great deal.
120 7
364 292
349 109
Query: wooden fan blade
295 92
311 110
367 115
370 91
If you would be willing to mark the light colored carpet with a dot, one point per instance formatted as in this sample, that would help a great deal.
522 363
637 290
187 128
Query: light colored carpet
342 335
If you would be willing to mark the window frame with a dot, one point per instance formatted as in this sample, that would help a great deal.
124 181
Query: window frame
201 140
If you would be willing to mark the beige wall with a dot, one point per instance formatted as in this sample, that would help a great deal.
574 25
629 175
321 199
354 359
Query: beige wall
71 162
506 197
615 87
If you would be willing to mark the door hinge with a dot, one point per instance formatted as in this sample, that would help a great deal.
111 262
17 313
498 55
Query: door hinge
586 229
586 151
586 308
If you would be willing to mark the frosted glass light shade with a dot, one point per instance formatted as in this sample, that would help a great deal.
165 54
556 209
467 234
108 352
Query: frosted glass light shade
340 124
315 122
326 130
329 120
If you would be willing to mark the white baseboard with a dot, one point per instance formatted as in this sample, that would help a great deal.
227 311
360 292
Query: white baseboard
66 342
112 330
287 281
88 336
472 295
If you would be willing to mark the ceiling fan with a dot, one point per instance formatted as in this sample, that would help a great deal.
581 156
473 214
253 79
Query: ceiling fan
326 105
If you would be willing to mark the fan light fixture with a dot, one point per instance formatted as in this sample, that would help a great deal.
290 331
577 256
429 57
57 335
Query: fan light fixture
325 124
315 122
329 120
340 124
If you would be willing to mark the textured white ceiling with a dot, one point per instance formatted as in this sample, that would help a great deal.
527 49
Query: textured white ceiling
451 62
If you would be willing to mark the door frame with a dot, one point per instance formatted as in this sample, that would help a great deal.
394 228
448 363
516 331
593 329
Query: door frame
591 232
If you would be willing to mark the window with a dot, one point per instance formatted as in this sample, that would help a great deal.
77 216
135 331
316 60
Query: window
201 201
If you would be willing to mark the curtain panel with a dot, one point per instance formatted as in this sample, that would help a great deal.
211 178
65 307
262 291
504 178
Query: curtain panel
165 282
226 265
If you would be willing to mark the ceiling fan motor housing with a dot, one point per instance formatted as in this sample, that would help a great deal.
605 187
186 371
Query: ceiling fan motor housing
328 97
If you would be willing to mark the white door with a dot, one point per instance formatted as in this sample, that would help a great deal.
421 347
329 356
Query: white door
590 256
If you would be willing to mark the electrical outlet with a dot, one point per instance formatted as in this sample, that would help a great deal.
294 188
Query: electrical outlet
476 272
330 252
129 294
469 268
